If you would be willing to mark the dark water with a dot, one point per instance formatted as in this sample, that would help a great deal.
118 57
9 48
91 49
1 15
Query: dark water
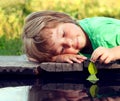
60 87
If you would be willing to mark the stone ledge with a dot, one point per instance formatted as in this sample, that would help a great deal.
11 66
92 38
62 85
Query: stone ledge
20 64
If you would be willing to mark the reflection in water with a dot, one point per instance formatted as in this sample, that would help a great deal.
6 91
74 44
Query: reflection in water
14 93
68 92
41 90
58 95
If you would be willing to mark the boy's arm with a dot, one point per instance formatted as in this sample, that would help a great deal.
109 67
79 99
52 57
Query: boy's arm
70 58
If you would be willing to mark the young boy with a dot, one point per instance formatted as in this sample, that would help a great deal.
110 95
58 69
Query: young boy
56 37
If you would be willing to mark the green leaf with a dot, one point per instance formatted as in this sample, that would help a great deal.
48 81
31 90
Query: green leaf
92 78
91 68
93 90
93 71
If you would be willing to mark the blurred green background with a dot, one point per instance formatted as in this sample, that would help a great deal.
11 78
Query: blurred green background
13 13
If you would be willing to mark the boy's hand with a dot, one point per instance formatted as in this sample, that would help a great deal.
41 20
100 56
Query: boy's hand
103 55
70 58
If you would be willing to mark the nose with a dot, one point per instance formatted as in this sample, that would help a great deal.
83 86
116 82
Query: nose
67 43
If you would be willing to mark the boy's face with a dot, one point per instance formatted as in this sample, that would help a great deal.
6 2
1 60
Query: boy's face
68 38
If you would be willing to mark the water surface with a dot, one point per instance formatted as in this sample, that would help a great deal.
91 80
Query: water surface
65 87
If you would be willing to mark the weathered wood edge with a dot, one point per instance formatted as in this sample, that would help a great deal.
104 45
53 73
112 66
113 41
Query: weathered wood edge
20 64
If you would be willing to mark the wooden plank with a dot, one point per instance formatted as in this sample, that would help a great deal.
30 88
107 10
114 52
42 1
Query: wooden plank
17 64
61 67
77 67
47 66
21 64
67 67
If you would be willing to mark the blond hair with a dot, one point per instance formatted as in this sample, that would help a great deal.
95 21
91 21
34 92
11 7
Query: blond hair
36 35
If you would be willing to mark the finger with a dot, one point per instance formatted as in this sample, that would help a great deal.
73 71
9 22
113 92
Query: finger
95 56
103 58
76 60
81 57
108 60
69 61
82 60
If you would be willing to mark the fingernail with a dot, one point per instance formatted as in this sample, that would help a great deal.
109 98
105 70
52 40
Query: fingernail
84 57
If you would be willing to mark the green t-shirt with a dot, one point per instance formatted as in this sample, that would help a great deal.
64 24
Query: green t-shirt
102 31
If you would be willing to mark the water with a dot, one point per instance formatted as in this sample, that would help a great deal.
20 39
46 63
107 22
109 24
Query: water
60 87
